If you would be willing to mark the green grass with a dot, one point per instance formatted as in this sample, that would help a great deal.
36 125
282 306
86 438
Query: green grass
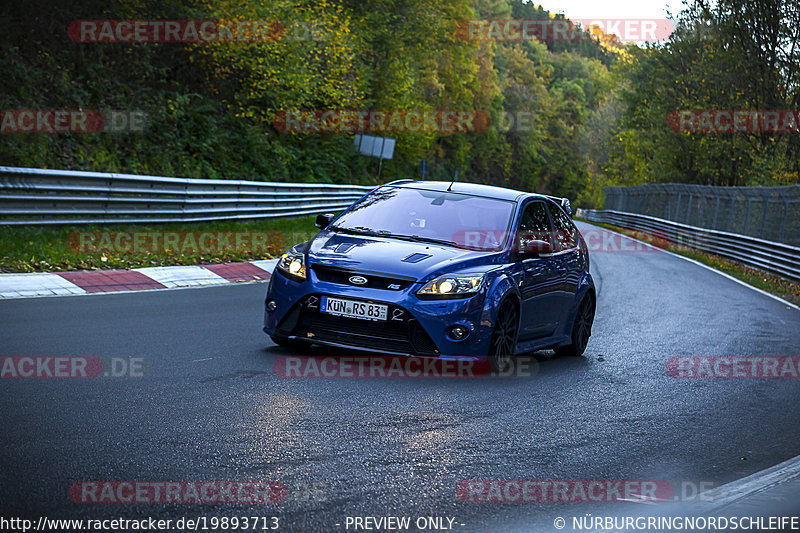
783 288
57 248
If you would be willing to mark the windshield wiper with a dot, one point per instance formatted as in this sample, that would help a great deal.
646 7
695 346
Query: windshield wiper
356 230
420 238
362 230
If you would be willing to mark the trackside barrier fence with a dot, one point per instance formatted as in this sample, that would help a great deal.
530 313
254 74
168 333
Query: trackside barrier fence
770 213
775 257
43 196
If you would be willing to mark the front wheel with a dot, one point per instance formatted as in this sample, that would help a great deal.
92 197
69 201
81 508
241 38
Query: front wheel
504 337
283 341
581 329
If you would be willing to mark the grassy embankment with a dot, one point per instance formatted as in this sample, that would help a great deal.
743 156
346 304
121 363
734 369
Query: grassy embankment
53 249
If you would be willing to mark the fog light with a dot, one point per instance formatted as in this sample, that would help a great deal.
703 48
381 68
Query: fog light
459 332
271 305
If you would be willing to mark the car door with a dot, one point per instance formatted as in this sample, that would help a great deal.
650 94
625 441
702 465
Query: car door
539 283
567 260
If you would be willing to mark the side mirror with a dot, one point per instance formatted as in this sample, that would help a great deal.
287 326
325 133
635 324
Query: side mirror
534 248
323 221
566 206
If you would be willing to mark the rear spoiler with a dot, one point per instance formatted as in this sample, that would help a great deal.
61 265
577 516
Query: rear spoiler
563 202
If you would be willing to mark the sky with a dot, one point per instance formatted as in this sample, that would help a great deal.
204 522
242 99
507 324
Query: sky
617 9
613 16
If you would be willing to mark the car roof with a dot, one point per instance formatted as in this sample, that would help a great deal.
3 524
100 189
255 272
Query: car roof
474 189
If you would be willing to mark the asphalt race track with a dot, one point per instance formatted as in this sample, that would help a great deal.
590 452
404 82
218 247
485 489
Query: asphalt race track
210 407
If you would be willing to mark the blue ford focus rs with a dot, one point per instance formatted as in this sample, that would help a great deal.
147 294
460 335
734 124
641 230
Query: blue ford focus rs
438 269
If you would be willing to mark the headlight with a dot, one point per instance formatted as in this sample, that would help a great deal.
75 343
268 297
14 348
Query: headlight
452 286
293 265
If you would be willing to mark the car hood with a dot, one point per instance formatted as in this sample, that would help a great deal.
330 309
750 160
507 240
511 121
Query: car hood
393 256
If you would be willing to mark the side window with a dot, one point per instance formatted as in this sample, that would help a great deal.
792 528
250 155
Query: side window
566 234
534 226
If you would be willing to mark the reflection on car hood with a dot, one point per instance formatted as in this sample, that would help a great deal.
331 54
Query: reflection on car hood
390 256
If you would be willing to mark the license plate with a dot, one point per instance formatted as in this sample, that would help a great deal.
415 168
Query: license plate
352 309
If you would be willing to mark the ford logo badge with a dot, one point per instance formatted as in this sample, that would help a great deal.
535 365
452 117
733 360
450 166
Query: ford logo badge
358 280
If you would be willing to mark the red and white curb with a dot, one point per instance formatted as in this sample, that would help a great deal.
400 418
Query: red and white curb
137 279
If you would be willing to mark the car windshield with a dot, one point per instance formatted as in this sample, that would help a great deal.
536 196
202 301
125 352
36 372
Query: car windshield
454 219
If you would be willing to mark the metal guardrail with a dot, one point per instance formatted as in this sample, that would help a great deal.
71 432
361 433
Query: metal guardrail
775 257
771 213
42 196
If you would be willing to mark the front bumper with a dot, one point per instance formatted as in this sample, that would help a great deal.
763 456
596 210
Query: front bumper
413 326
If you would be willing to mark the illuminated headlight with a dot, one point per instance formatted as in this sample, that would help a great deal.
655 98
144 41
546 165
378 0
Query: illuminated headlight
293 265
452 286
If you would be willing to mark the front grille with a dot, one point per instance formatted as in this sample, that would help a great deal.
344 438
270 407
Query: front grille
374 281
400 333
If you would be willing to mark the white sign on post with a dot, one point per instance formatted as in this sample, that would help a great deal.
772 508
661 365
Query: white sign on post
381 147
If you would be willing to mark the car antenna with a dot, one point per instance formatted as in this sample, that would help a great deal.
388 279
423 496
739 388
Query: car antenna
455 178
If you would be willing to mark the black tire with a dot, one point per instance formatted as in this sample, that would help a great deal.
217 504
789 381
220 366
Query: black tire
581 329
504 338
283 341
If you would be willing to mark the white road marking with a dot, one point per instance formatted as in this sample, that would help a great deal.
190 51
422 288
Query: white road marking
182 276
46 284
735 491
36 284
265 264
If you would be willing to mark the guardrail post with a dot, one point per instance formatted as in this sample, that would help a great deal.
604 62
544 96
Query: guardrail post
667 206
108 196
730 214
701 203
746 216
783 219
185 198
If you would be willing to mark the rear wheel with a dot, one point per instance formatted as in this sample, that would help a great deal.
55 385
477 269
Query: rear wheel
504 337
581 329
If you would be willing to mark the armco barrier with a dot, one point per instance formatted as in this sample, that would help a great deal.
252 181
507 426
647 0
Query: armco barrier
43 196
777 258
